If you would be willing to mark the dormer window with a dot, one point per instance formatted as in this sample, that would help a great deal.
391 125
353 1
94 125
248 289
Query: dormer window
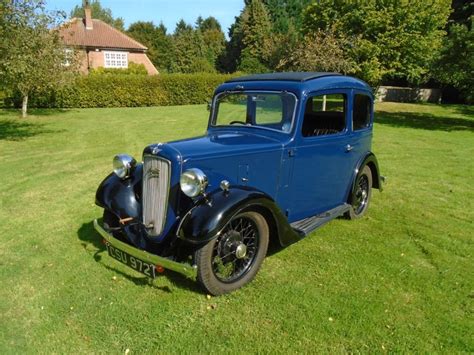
115 59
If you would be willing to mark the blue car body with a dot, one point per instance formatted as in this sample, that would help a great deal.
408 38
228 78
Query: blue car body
289 177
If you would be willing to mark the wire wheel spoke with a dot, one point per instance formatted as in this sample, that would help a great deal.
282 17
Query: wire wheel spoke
361 194
228 262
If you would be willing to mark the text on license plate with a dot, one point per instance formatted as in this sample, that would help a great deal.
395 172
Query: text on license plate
135 263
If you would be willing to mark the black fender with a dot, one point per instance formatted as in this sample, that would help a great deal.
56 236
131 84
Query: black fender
371 161
119 196
206 220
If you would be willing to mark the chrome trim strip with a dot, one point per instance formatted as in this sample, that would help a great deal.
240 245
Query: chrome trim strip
184 269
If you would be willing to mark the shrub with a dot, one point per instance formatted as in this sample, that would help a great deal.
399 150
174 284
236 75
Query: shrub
111 90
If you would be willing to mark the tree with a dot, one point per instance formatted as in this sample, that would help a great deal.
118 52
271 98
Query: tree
213 37
100 13
233 49
462 12
32 57
389 40
286 14
456 63
210 23
155 38
182 27
320 51
189 50
256 28
251 44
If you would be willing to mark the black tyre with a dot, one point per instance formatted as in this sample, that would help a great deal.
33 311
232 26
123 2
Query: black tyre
232 260
361 194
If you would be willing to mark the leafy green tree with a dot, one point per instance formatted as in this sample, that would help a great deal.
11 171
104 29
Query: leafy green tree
189 50
100 13
250 39
210 23
256 28
155 38
249 64
286 15
213 37
456 63
390 40
320 51
233 49
182 27
263 34
32 57
462 12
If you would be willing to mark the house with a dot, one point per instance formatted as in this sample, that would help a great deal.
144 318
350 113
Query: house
101 45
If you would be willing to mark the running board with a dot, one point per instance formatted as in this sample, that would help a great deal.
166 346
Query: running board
307 225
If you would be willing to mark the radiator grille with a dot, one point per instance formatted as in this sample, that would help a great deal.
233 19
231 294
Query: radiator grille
156 181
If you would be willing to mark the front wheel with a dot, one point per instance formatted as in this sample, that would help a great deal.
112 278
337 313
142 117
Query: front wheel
361 194
232 260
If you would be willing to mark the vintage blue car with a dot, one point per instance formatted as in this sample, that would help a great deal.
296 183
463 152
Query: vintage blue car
283 154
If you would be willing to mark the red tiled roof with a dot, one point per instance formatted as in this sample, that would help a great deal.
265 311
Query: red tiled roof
74 33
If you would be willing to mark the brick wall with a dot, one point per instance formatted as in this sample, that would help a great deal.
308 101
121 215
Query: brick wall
83 64
141 58
96 60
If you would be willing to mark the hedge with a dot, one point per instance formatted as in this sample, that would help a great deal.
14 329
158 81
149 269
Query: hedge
111 90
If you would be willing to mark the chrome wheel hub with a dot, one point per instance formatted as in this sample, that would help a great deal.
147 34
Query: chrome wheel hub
241 251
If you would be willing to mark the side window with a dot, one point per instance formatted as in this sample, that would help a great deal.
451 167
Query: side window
324 115
362 111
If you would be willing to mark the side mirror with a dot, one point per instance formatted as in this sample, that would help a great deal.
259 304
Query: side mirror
209 105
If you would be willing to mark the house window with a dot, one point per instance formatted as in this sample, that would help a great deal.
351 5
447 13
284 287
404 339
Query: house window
68 56
115 60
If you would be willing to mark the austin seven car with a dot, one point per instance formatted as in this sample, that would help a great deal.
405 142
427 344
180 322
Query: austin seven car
283 154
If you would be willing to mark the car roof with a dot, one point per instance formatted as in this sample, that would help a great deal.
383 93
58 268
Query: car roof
286 76
299 83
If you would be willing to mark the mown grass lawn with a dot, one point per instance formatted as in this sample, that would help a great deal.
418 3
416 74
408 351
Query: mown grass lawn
400 279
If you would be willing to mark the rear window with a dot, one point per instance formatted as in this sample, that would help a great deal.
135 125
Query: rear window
362 112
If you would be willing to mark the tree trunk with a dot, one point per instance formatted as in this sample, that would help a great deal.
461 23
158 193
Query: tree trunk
24 106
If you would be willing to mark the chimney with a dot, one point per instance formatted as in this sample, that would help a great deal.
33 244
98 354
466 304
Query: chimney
88 17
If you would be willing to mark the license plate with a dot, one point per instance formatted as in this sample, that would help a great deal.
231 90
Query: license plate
135 263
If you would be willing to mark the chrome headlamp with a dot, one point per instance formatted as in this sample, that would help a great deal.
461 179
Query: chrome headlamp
123 165
193 182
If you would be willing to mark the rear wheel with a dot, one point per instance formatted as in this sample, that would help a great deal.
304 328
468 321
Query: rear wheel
232 260
361 194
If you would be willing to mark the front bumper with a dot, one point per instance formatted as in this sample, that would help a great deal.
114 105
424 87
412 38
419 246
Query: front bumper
184 269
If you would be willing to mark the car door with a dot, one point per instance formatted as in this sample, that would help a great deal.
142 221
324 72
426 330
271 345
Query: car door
323 163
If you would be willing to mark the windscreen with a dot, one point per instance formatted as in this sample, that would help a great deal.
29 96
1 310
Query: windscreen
265 110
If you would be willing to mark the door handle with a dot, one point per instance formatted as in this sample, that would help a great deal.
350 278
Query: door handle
349 148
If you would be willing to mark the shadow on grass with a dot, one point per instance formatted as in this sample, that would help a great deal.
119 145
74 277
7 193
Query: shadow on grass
34 112
17 130
467 110
89 236
425 121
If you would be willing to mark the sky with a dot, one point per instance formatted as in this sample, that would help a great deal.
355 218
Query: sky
167 11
